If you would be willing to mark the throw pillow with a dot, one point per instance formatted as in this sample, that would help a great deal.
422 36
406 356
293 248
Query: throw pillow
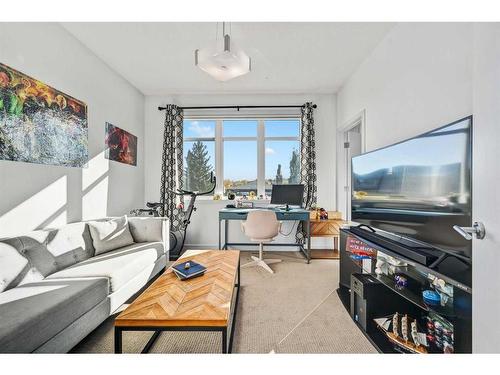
110 234
12 265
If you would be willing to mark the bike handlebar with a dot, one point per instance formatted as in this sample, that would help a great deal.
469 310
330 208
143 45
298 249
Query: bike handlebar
213 180
153 207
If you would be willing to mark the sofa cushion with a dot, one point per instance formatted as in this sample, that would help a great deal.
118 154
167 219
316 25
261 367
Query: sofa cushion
33 313
110 234
119 265
12 265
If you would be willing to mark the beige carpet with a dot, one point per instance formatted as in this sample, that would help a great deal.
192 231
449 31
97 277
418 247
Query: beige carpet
296 310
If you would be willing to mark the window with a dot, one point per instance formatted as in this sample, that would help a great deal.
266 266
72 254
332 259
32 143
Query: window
282 153
240 156
199 154
247 155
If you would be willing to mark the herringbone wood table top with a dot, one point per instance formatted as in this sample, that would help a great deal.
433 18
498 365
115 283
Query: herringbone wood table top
201 301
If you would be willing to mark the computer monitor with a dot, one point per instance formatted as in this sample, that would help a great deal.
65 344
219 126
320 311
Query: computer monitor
289 195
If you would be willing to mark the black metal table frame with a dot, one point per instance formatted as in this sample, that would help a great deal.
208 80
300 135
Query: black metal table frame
226 347
304 252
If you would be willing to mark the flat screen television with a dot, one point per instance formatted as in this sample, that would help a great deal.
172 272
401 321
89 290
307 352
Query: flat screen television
418 188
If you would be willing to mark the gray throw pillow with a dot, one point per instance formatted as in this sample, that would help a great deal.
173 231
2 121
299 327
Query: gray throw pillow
110 234
31 246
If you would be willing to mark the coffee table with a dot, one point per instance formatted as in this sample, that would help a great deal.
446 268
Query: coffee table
205 303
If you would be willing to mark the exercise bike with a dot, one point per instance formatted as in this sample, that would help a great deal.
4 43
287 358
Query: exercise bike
177 238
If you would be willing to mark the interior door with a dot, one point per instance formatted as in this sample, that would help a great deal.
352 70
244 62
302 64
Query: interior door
352 147
486 187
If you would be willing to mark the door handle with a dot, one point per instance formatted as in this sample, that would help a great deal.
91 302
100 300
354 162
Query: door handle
467 232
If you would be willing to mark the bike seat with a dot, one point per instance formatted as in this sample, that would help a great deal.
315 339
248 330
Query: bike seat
153 204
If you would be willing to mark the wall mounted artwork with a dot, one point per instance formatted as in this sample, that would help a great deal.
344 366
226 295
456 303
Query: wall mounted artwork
39 124
121 146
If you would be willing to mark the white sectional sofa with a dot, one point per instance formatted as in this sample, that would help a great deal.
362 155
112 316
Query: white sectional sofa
55 288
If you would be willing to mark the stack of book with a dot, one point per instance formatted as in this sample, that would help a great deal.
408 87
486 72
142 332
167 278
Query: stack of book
189 269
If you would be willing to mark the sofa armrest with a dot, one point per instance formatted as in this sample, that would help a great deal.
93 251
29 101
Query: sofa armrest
150 229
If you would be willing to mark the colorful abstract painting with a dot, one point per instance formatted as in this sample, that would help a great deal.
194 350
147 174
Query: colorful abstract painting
120 145
39 124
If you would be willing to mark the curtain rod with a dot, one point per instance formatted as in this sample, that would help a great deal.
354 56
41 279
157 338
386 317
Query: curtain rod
238 107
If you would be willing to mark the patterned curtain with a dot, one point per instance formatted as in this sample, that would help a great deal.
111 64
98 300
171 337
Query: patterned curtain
172 168
308 156
307 163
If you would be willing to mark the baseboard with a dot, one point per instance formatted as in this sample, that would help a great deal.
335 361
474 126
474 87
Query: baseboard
242 248
317 243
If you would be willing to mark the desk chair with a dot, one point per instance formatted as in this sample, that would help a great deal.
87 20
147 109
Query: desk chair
261 226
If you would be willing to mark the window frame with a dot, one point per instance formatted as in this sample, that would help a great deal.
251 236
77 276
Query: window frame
260 139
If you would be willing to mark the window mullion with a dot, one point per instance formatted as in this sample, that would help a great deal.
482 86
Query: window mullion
261 159
282 139
219 158
239 138
195 139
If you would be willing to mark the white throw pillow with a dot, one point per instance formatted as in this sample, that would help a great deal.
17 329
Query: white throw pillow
12 265
110 234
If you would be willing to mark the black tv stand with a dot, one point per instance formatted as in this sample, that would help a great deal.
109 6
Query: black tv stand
408 299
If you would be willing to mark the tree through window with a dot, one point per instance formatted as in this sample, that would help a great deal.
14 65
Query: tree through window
199 154
198 167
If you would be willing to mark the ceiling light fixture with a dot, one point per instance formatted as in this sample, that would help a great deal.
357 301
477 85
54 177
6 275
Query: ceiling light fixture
223 65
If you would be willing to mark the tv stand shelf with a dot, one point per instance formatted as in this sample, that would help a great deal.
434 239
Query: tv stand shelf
416 299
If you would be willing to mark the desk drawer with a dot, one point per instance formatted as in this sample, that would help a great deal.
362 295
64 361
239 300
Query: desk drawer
292 216
234 215
325 228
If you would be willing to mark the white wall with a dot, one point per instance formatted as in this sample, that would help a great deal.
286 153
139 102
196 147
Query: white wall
35 196
486 201
203 229
418 78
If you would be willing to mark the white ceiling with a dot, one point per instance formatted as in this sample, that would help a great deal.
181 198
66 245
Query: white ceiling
158 58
